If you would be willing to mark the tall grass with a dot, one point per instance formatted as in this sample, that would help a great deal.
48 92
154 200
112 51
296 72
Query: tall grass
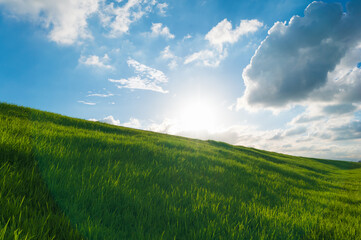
27 209
118 183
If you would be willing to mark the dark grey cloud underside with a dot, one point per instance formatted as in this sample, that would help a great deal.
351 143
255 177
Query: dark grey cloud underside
348 131
339 109
295 59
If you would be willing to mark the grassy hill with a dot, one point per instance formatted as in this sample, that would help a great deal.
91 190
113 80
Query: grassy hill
65 178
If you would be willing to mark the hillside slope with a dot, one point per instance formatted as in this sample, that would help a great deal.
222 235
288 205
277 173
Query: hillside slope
65 178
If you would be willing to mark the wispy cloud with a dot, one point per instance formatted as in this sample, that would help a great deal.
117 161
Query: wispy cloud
167 54
209 58
162 8
100 95
188 36
118 19
146 78
87 103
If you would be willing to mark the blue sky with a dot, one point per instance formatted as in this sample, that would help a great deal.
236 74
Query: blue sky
277 75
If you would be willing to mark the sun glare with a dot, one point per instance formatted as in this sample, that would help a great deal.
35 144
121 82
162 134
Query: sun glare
198 116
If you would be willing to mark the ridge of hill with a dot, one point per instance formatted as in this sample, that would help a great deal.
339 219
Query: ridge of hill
66 178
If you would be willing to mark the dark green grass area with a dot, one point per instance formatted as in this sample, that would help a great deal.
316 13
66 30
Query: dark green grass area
62 176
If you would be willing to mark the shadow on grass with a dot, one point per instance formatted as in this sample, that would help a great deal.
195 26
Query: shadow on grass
250 152
343 165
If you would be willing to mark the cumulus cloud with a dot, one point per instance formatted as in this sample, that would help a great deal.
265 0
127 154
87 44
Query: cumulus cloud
159 30
96 61
66 19
146 78
223 33
312 61
296 59
110 120
133 123
217 37
166 126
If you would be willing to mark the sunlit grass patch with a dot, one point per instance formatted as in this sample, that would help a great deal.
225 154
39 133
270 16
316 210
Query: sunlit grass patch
63 176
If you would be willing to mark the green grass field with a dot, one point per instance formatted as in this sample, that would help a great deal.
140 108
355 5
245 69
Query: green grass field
65 178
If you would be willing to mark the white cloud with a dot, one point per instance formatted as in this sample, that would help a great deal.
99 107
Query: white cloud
209 58
133 123
159 30
119 19
110 120
166 126
161 7
173 64
66 19
311 59
218 36
87 103
320 136
167 54
147 78
188 36
94 60
223 33
100 95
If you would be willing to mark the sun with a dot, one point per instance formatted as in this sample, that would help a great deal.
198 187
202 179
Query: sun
197 116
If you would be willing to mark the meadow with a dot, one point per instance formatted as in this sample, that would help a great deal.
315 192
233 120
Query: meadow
66 178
